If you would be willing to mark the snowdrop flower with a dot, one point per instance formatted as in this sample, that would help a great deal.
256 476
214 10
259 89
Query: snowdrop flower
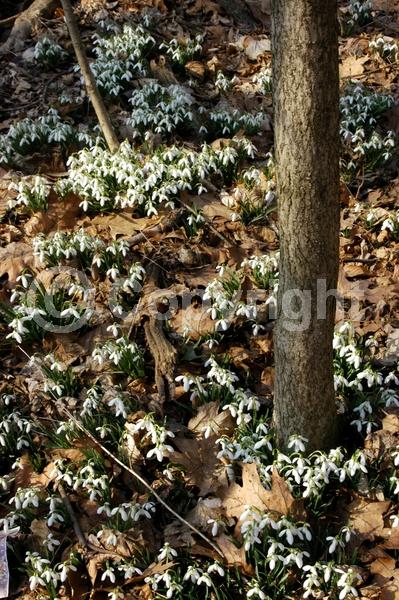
166 553
395 483
216 568
255 591
346 583
109 573
50 542
297 442
395 520
204 579
192 574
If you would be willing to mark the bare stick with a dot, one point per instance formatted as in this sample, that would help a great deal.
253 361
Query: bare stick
142 481
76 525
90 83
24 22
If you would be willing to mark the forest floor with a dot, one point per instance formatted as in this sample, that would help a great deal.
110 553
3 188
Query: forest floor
137 295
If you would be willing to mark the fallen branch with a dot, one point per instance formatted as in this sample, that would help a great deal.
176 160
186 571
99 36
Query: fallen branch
90 83
166 225
161 349
142 481
24 23
75 523
164 358
4 23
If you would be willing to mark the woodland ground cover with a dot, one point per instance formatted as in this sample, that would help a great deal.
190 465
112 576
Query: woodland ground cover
181 223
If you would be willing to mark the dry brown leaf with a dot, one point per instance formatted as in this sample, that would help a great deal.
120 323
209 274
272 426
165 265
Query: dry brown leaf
40 529
193 321
205 509
61 215
121 224
391 538
14 258
366 518
72 454
195 68
252 493
390 422
254 46
352 66
234 557
355 270
384 567
199 459
209 418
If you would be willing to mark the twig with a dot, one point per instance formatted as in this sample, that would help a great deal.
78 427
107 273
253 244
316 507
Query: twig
364 261
90 83
24 22
6 22
75 523
142 481
164 226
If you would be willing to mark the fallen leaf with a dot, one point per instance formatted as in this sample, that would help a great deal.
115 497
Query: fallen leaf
234 557
210 418
366 518
277 500
352 66
14 258
72 454
254 46
61 215
199 459
193 321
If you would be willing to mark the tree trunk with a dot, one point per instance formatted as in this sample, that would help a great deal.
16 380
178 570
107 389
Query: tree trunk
306 116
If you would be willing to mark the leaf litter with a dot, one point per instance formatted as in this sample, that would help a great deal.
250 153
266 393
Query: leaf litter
206 449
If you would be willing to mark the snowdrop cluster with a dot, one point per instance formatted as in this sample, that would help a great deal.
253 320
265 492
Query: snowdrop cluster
359 14
35 309
248 445
124 354
263 80
29 135
120 57
127 513
48 52
194 221
32 192
59 379
309 476
63 246
223 83
182 50
264 269
159 109
89 251
155 435
219 386
170 583
224 293
255 525
44 576
106 181
92 479
228 123
385 48
357 379
15 431
390 224
363 145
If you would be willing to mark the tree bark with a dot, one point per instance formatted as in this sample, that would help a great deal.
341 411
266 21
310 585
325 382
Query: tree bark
306 117
90 83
